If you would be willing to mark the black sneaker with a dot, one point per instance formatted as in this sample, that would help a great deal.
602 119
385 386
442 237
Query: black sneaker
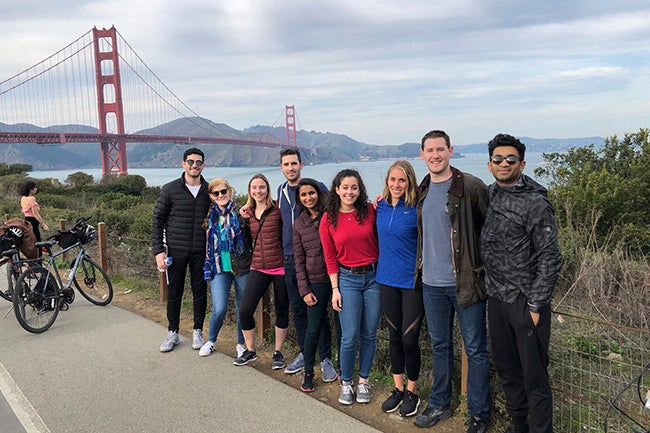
278 360
307 382
513 429
410 404
431 416
247 356
476 425
393 401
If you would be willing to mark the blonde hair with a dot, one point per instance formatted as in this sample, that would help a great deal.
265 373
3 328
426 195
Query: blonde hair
250 202
410 195
220 180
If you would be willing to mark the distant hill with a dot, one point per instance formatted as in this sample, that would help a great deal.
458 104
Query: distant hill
326 147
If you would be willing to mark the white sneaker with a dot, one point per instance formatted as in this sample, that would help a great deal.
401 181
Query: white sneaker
197 339
206 349
240 349
170 341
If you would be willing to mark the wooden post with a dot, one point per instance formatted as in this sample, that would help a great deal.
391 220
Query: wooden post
101 239
162 284
262 316
62 229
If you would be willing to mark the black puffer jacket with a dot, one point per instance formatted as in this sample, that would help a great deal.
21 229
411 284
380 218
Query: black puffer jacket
178 218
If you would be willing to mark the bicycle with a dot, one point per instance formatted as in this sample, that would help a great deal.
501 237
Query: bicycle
11 263
633 417
40 293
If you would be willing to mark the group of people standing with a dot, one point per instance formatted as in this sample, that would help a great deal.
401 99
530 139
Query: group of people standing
450 246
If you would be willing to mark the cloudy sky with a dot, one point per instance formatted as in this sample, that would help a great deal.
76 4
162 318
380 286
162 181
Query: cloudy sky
382 72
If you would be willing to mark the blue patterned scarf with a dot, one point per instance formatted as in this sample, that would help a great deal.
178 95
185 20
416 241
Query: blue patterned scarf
228 237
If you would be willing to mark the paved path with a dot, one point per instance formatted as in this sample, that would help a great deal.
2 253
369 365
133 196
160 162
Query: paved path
98 369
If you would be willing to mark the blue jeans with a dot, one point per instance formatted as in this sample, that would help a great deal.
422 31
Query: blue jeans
360 314
220 289
440 305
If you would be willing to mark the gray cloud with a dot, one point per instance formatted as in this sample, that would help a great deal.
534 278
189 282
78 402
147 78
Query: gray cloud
380 71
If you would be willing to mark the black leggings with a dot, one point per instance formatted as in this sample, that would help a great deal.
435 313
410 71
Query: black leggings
256 285
404 311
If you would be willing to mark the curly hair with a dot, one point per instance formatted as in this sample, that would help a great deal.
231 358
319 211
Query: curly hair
26 187
334 201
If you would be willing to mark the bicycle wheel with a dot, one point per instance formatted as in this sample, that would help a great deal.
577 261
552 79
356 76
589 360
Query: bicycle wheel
6 282
36 299
95 284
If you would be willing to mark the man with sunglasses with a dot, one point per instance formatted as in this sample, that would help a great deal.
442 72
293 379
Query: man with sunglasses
177 233
519 245
451 209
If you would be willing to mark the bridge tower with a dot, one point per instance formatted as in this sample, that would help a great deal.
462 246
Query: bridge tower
109 100
290 112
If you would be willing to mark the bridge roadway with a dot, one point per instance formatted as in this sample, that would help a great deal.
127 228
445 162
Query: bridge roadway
98 370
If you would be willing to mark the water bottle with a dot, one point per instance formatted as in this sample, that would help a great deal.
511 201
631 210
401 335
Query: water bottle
168 261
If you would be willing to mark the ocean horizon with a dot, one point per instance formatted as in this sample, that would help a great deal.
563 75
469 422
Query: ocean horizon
372 172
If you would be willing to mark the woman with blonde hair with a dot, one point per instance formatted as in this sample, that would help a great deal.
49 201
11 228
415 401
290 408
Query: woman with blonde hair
227 258
267 267
401 296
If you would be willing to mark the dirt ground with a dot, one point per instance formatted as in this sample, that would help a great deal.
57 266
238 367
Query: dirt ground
370 414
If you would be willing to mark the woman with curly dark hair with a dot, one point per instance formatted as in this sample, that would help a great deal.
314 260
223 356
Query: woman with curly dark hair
349 239
31 208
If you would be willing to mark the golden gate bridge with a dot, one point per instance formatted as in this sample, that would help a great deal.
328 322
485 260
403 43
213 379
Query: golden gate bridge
98 90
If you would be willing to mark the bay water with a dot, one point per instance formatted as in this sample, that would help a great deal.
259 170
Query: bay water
372 172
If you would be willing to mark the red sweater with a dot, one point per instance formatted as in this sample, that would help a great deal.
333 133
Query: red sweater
350 243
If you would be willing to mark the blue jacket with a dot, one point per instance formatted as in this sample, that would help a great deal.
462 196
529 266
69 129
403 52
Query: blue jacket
397 229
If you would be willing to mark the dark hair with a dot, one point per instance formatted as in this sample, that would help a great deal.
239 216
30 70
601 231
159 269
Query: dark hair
436 133
507 140
322 196
290 151
334 201
26 187
193 151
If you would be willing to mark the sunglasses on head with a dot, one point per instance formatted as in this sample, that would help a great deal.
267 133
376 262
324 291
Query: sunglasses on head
510 159
219 192
191 162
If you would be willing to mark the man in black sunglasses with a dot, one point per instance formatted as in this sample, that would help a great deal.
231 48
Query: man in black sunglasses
519 245
177 233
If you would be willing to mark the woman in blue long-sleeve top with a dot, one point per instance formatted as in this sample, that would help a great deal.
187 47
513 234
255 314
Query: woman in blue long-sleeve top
401 297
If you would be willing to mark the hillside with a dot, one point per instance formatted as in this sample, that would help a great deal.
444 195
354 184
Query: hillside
326 147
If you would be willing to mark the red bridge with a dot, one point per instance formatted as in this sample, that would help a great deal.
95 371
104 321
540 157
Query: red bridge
98 83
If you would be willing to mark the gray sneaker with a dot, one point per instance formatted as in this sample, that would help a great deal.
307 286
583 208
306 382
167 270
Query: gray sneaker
347 393
197 339
296 365
363 392
170 341
329 372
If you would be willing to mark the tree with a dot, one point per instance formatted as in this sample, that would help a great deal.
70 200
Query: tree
612 181
79 179
7 169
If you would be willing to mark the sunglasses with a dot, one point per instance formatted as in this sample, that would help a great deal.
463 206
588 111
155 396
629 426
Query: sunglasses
191 162
510 159
219 192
